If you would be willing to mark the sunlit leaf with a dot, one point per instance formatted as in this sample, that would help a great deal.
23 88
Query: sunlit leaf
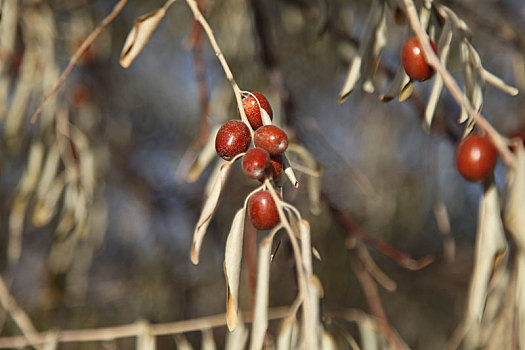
288 334
208 209
406 91
232 267
208 343
328 342
236 340
260 317
490 243
143 28
206 155
443 49
145 339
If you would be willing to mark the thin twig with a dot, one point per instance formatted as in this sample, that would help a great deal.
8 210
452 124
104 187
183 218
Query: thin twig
455 90
130 330
236 90
17 314
76 56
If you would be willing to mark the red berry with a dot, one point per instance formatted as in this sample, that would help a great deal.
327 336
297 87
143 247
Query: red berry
232 138
263 211
251 108
255 163
271 138
414 61
276 163
476 158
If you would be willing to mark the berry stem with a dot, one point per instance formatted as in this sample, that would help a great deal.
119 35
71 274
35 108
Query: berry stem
213 41
433 60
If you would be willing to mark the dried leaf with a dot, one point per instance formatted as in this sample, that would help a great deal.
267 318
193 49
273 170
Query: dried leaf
265 117
288 334
232 267
490 245
400 80
208 209
372 62
499 83
208 343
443 49
138 37
367 42
314 182
289 171
369 337
145 339
206 155
406 91
182 342
260 318
328 342
514 215
47 203
237 339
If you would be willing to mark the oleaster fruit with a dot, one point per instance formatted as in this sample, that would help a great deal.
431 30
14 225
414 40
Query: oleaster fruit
251 108
232 138
413 60
256 163
271 138
476 157
276 163
262 211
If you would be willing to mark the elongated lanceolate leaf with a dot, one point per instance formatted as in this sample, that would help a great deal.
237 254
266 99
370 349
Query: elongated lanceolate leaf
237 339
443 49
232 268
288 334
208 343
145 339
490 246
208 209
206 155
260 317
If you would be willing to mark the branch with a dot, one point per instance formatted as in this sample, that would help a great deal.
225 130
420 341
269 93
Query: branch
236 90
129 330
455 90
80 51
17 314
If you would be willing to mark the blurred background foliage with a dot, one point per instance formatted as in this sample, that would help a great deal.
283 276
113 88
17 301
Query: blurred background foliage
143 126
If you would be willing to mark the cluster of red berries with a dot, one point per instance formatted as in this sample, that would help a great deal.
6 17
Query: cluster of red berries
414 61
262 161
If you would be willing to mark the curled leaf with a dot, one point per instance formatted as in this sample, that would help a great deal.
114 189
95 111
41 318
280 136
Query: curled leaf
143 28
208 209
206 155
288 332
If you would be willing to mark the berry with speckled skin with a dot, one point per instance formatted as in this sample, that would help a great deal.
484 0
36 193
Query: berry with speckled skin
256 163
271 138
262 211
476 158
414 61
251 108
232 138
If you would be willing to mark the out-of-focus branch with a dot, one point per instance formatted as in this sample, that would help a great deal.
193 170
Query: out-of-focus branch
17 314
455 90
76 56
199 67
227 71
130 330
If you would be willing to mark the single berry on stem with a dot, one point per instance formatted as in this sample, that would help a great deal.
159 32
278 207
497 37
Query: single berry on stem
262 211
414 62
271 138
251 108
255 163
232 138
476 158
